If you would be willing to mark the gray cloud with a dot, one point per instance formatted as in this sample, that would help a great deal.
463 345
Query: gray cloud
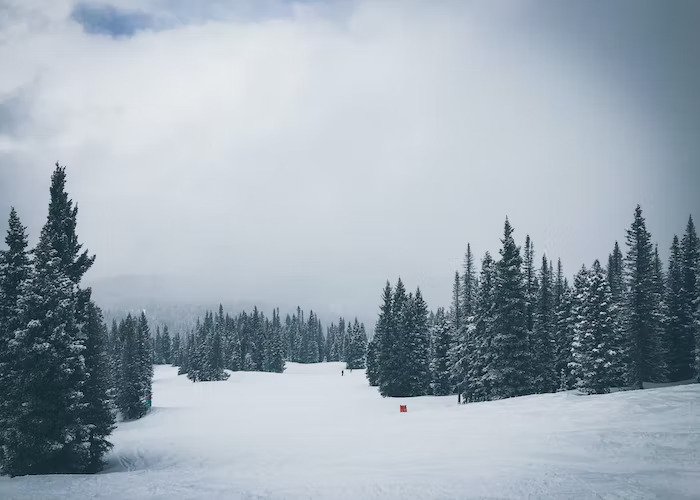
306 152
109 20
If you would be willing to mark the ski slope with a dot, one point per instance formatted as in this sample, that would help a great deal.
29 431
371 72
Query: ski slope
310 433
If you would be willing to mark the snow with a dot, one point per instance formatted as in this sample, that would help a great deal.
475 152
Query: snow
310 433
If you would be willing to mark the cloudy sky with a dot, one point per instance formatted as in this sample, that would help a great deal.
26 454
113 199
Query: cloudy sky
305 151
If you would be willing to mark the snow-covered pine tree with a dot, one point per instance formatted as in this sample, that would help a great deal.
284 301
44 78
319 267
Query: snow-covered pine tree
392 347
99 408
509 365
342 339
417 361
166 345
275 353
375 354
441 335
158 348
357 345
530 277
456 314
541 341
52 307
564 334
642 336
130 381
145 361
479 386
680 352
175 354
690 295
461 336
15 268
592 350
616 275
469 285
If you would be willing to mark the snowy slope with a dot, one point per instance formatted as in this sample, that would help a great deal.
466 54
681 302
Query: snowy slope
310 433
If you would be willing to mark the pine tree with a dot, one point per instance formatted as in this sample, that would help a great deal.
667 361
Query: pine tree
645 352
616 274
130 380
392 346
99 409
441 335
593 356
478 386
456 314
166 345
564 334
509 366
376 354
47 431
417 361
680 355
469 285
144 362
15 269
690 296
542 343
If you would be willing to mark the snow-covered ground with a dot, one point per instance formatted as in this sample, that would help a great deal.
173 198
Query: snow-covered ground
310 433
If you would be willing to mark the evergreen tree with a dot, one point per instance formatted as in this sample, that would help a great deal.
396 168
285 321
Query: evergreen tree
376 355
130 387
645 356
417 342
593 354
144 362
690 297
616 274
441 335
542 343
47 431
564 335
508 369
98 409
392 347
469 285
15 269
680 355
456 313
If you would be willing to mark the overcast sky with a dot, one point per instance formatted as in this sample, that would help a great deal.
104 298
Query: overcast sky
304 152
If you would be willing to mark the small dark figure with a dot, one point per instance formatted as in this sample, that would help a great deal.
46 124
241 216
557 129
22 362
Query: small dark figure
342 373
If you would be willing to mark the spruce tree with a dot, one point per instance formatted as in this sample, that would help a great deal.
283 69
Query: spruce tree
542 339
477 385
417 343
680 355
15 269
690 296
456 314
99 409
645 355
593 354
392 347
376 354
441 335
509 366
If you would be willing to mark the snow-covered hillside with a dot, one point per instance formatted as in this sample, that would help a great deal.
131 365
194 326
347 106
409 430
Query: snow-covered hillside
310 433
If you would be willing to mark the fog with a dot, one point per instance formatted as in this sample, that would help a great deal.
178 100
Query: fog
286 153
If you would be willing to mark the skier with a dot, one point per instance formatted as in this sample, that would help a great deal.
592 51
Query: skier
342 373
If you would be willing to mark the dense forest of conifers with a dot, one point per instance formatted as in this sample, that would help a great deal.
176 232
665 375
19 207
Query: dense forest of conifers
253 342
518 327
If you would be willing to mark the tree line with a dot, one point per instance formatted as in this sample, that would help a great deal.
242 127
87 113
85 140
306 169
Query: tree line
520 327
250 341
